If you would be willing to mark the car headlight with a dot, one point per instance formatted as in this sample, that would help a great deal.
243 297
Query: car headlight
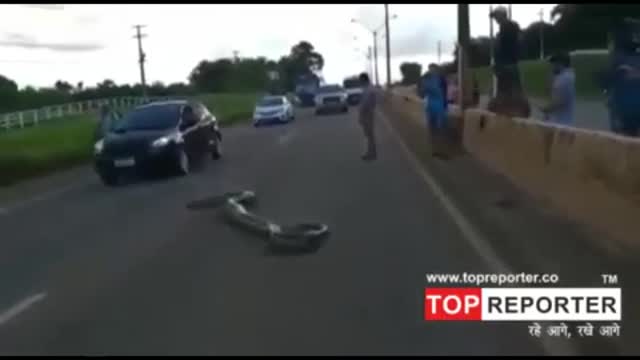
166 140
98 146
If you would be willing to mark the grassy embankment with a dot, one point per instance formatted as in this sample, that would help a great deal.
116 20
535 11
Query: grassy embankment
66 142
536 76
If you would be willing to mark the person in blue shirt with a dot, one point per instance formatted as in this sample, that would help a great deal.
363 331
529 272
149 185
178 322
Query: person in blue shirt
563 91
623 78
435 99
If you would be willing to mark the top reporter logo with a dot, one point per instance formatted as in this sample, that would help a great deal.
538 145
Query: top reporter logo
523 304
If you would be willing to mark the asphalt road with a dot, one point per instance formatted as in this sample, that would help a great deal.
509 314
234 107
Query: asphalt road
101 271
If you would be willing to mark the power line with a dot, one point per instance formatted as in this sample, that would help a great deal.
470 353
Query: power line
141 57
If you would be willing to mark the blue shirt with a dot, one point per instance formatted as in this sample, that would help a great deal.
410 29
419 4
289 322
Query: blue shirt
564 91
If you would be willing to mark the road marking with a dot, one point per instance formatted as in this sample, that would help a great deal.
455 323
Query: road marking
480 244
285 138
21 307
468 231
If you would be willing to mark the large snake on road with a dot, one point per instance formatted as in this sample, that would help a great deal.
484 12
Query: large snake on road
302 237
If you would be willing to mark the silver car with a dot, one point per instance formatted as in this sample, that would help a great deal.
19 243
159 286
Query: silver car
331 98
272 109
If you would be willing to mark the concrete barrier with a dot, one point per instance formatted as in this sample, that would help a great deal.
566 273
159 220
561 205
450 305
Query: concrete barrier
592 177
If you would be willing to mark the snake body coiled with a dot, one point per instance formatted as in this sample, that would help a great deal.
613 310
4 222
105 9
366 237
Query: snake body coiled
300 237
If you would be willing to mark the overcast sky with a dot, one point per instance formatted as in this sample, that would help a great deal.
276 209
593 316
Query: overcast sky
40 44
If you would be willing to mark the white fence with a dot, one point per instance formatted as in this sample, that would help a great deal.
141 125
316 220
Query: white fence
34 117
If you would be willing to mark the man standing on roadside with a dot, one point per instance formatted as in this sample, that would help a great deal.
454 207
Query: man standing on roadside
434 99
510 97
367 115
563 91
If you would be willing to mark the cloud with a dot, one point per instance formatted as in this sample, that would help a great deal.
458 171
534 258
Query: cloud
45 6
28 42
421 42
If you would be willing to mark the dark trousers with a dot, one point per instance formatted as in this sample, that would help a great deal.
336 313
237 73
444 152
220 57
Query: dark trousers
508 79
368 128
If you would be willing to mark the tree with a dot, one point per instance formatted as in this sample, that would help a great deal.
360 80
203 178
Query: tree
530 46
7 85
157 88
302 61
479 52
212 76
107 83
586 26
8 94
63 86
411 72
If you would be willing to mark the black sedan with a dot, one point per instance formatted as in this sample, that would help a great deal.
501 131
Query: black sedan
166 135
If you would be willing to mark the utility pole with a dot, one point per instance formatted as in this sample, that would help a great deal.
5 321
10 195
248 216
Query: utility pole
464 35
510 13
141 58
236 58
375 56
439 51
541 13
387 36
491 58
370 60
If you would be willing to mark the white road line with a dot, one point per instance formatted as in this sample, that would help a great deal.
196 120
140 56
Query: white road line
480 244
21 307
285 138
468 231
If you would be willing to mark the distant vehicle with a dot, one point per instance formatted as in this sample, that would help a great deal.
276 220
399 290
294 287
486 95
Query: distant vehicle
306 87
354 90
331 98
273 109
168 134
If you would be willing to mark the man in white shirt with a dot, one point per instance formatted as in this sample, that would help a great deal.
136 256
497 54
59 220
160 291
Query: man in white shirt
563 91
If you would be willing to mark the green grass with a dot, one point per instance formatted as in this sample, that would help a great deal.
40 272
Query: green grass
536 76
39 150
230 108
66 142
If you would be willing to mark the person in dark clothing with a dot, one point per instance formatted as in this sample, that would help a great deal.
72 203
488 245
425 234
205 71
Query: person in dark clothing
510 98
506 54
367 116
622 78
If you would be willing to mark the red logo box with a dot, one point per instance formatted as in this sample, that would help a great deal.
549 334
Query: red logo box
453 304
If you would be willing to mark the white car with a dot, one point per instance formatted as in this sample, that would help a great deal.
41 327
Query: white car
331 98
354 95
272 109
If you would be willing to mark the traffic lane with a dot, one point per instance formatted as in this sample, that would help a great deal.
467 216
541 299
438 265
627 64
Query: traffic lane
94 226
213 290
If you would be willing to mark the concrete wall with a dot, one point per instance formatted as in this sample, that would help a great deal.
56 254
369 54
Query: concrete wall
593 177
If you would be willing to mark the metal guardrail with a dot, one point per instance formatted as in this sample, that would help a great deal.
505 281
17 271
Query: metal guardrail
34 117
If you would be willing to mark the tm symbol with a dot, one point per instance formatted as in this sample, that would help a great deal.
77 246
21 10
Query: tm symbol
609 279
